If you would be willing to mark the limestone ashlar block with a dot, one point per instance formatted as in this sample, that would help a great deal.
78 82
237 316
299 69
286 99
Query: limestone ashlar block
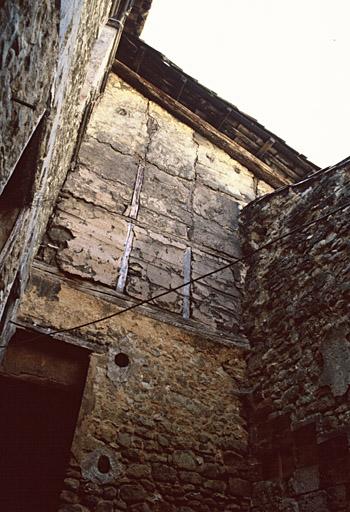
166 225
104 177
215 220
215 300
120 119
216 207
96 244
155 265
227 281
217 170
167 195
171 146
210 235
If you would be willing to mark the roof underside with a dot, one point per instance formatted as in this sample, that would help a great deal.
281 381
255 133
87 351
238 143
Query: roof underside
224 117
137 17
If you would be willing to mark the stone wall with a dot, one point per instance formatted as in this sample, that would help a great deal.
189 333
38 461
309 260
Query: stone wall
296 312
161 426
150 204
51 48
28 50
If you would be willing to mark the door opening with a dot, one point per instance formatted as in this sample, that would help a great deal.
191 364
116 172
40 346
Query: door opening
40 396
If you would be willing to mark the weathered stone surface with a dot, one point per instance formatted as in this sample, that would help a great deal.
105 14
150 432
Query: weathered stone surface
212 471
146 191
296 317
166 132
162 434
105 506
337 497
218 171
184 460
159 187
71 484
163 473
216 208
206 234
28 45
335 351
121 119
216 299
314 502
97 242
155 265
306 479
180 195
105 177
138 471
68 497
190 477
52 46
132 493
239 487
215 485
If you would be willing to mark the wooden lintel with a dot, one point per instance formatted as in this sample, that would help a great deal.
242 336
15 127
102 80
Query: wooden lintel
259 168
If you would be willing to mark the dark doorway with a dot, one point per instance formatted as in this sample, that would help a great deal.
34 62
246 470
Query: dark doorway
38 419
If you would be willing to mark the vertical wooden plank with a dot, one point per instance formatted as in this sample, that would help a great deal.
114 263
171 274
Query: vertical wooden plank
135 202
124 264
186 309
133 212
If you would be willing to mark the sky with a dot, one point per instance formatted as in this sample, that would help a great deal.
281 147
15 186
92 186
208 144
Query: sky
284 62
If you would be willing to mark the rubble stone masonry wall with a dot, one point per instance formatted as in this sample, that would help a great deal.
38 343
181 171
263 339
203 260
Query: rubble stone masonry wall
296 315
161 426
28 63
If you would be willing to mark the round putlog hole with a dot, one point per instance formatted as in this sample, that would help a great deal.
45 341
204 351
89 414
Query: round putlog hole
104 464
122 360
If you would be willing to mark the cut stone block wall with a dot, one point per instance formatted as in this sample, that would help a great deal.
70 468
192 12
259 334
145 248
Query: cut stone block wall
296 316
149 203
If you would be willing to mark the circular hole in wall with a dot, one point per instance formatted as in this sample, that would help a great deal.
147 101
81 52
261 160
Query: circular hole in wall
103 464
122 360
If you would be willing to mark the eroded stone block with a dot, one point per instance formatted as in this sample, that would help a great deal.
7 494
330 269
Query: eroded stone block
171 146
217 170
97 241
167 195
120 118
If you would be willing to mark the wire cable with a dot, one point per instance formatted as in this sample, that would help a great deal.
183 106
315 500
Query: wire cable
299 229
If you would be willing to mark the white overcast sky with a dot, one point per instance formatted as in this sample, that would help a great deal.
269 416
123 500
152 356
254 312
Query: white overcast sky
284 62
